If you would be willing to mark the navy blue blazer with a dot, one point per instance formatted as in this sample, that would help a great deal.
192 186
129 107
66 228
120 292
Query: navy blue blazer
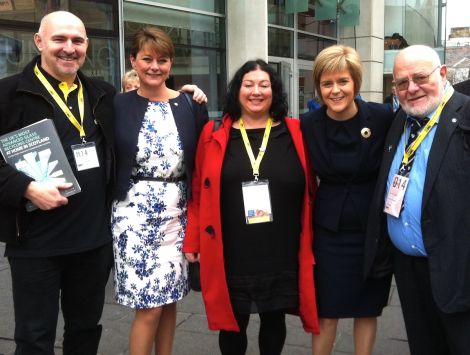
130 110
334 189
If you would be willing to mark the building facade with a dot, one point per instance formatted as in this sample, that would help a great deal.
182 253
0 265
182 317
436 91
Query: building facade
214 37
412 22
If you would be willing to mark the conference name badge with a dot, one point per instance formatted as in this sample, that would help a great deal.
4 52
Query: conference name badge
85 156
395 196
257 202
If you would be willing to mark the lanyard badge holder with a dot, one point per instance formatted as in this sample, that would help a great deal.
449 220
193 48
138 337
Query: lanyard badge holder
396 194
256 197
85 154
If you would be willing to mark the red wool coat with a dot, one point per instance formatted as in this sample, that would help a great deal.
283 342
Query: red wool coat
204 232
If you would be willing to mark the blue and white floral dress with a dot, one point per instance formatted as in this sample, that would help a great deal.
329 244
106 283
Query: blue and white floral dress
148 226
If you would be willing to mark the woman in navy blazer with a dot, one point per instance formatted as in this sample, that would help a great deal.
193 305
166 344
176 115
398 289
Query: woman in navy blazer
130 109
157 130
345 140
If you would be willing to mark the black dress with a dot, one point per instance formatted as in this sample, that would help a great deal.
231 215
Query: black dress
341 290
261 260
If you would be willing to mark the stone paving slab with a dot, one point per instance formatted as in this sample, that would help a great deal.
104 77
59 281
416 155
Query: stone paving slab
192 334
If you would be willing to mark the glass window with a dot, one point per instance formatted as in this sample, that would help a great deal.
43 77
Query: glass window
102 60
216 6
277 14
280 42
412 22
18 24
199 45
306 88
16 50
95 15
100 15
26 10
204 67
309 46
183 27
307 23
421 22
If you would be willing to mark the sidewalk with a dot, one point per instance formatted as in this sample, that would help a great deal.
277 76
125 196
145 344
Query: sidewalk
193 337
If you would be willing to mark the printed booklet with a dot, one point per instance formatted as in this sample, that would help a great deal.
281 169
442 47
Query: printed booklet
36 150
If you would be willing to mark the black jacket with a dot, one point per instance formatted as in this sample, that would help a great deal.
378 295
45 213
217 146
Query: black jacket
445 219
463 87
21 104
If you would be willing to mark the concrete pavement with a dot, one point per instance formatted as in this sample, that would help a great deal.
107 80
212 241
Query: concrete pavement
193 337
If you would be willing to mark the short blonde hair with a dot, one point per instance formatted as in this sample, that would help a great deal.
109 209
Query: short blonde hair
338 58
130 75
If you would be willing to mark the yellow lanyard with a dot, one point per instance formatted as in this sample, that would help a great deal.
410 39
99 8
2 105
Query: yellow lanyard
61 103
413 147
255 163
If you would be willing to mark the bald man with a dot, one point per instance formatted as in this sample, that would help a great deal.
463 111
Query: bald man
422 205
61 251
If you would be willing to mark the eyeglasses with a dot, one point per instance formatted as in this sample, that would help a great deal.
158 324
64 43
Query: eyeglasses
418 79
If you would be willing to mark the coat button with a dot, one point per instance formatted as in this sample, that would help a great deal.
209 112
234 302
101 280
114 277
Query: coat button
210 230
207 183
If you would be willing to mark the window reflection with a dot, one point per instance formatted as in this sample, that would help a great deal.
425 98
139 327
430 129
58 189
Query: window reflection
27 10
17 47
16 50
280 43
10 53
309 46
98 16
102 60
417 22
216 6
277 14
199 44
305 89
307 23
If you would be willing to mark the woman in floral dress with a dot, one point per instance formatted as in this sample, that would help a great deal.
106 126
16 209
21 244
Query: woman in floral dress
156 132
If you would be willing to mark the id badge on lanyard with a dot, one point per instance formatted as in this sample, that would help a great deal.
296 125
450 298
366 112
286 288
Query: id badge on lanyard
85 156
396 195
257 201
256 198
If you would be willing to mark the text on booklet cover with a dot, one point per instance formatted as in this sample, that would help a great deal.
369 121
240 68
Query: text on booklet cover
36 151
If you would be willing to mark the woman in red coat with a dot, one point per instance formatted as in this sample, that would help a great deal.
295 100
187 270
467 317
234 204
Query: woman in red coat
249 220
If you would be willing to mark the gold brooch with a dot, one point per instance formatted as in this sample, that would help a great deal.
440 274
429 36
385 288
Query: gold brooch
365 132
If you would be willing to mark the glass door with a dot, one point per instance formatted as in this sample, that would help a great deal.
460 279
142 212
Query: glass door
283 67
305 86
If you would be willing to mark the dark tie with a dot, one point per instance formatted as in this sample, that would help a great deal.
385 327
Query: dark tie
415 126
